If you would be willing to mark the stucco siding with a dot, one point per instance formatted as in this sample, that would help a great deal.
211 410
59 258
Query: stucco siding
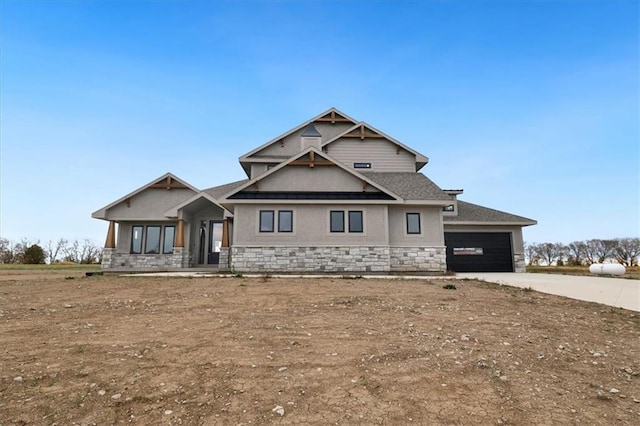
310 226
150 204
381 153
430 227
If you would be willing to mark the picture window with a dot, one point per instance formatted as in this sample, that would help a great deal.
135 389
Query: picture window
413 223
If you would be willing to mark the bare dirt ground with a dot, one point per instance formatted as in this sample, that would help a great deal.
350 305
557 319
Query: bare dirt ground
115 350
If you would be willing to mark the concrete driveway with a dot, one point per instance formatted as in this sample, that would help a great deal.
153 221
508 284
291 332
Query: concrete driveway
618 292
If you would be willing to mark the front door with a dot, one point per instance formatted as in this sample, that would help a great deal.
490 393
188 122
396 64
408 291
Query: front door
210 241
215 242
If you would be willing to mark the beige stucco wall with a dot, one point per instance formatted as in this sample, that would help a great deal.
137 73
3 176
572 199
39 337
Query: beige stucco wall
516 233
310 226
381 153
430 227
319 178
150 204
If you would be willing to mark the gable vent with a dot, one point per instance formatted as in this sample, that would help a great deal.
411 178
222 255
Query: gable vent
310 137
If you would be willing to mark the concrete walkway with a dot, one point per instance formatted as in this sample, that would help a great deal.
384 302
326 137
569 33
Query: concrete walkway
618 292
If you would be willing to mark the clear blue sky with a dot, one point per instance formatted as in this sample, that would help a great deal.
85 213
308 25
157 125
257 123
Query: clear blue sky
531 107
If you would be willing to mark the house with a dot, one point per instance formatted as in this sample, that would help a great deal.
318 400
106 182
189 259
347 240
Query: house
331 195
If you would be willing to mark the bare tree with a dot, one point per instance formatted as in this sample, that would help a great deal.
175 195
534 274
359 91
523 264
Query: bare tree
7 254
577 253
72 252
54 249
627 251
604 249
548 252
89 252
531 253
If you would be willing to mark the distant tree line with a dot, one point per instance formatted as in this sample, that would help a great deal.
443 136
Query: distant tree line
62 250
578 253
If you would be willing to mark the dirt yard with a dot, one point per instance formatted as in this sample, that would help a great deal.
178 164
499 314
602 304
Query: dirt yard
238 351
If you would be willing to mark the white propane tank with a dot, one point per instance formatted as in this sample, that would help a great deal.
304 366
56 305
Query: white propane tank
607 269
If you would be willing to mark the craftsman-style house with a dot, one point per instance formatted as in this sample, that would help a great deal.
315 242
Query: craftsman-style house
332 195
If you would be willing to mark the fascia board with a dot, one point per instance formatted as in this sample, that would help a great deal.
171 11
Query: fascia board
460 223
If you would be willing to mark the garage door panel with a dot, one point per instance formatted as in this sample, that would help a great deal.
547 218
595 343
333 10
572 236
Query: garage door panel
479 251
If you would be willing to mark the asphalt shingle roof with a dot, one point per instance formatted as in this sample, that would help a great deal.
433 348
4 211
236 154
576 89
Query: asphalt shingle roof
409 185
469 212
218 191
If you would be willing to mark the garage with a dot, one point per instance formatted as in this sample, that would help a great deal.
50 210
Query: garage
479 251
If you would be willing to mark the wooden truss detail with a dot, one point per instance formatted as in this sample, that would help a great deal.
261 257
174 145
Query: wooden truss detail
362 132
168 183
333 118
311 161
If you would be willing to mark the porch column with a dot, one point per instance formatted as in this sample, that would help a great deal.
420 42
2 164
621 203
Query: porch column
111 235
180 234
225 232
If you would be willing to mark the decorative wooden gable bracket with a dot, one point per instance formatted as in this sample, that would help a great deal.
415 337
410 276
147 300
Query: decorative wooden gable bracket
364 186
361 133
311 161
169 183
334 118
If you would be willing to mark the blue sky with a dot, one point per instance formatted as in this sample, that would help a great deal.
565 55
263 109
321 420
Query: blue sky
531 107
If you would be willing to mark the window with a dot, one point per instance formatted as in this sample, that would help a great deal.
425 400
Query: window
152 243
361 165
266 220
285 221
169 238
136 239
355 221
413 223
448 208
336 221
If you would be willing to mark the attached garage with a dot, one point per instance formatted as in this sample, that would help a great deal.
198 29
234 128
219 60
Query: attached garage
480 239
479 251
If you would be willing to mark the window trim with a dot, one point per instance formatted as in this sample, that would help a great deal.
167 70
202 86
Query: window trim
361 230
280 229
260 222
409 232
331 227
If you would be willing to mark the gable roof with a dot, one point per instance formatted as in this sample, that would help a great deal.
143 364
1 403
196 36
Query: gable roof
318 153
474 214
409 185
173 211
421 159
324 116
168 180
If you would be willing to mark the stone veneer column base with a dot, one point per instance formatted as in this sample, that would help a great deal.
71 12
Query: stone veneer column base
418 259
519 264
107 258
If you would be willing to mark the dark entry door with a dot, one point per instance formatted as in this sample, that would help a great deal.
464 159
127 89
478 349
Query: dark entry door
479 251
